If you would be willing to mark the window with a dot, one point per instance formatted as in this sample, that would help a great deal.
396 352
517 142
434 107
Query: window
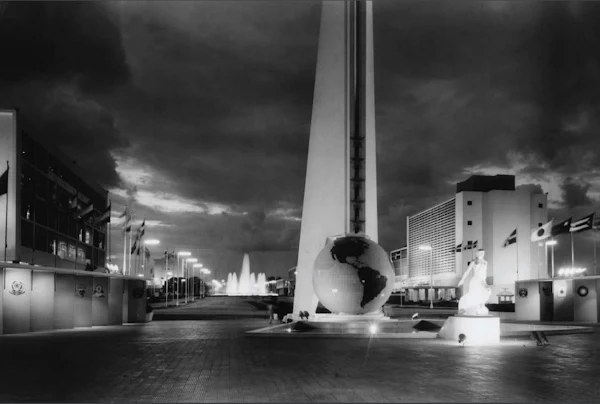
26 234
52 243
72 250
40 239
88 237
469 222
41 212
540 205
469 203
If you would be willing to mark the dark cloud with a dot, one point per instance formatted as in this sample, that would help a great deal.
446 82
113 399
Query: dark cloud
575 193
60 62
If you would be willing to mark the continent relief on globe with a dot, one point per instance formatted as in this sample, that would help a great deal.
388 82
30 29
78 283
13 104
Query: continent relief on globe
348 250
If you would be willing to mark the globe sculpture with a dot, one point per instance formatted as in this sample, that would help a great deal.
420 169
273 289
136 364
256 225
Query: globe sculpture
353 275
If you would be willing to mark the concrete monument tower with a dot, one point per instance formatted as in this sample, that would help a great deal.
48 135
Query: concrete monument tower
340 193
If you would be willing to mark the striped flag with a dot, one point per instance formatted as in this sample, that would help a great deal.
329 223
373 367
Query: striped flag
582 224
542 232
458 248
563 227
127 223
104 217
83 213
4 183
511 239
475 244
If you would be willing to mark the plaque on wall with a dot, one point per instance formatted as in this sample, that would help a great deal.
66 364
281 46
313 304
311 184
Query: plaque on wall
98 291
523 292
81 289
561 287
17 288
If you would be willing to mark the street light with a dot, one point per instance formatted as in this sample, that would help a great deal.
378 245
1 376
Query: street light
180 254
552 243
149 242
197 265
167 289
187 271
427 247
205 271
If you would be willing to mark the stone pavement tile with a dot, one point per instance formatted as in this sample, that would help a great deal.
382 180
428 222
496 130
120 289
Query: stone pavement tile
212 361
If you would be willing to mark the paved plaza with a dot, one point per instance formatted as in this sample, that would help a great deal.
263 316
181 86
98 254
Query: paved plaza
213 361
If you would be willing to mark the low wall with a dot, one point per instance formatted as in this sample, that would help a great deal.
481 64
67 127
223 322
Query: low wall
41 299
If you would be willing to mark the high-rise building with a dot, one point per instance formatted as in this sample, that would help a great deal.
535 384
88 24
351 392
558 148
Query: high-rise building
488 213
52 204
399 259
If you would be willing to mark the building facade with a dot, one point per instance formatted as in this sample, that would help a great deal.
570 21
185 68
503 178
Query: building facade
47 220
483 215
399 259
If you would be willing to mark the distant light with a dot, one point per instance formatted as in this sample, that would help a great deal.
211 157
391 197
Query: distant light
571 271
551 242
289 330
191 259
373 328
425 247
169 273
152 242
141 275
198 265
184 253
334 290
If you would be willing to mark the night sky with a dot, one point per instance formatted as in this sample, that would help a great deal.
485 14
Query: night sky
199 112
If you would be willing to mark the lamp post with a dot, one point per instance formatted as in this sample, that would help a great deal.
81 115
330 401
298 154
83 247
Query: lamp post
149 242
188 261
427 247
552 243
180 254
167 289
198 265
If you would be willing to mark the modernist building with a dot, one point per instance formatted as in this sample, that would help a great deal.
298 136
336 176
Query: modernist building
48 224
484 214
399 259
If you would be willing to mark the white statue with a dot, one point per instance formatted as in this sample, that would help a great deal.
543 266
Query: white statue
473 303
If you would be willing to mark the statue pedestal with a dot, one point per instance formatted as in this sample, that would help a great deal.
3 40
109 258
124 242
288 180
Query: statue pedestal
346 318
479 330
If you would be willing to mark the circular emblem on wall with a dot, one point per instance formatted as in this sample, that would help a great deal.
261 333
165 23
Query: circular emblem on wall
582 291
98 291
81 290
138 293
16 288
523 292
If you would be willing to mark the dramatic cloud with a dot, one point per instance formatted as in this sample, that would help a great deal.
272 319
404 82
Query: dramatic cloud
197 114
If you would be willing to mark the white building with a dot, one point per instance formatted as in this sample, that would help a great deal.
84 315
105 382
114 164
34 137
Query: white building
484 213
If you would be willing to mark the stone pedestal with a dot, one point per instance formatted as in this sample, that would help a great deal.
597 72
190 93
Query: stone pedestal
347 318
479 330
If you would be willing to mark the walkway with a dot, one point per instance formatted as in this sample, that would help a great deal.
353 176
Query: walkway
212 361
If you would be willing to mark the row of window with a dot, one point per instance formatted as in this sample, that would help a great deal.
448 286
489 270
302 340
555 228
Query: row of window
38 163
41 239
540 205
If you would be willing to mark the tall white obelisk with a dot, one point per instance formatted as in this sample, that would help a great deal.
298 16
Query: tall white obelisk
340 192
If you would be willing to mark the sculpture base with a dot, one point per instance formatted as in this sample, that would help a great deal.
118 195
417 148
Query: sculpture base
343 318
479 330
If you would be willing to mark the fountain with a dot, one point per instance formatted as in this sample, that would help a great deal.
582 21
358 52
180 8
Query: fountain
248 283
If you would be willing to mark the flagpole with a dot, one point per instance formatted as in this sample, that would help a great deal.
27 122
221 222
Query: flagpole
124 252
517 243
572 252
130 241
6 213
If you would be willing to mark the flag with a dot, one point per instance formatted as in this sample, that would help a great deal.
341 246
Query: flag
85 212
511 239
141 230
104 217
469 245
73 202
147 252
562 228
475 244
127 223
4 183
135 247
170 255
542 232
596 225
458 248
582 224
